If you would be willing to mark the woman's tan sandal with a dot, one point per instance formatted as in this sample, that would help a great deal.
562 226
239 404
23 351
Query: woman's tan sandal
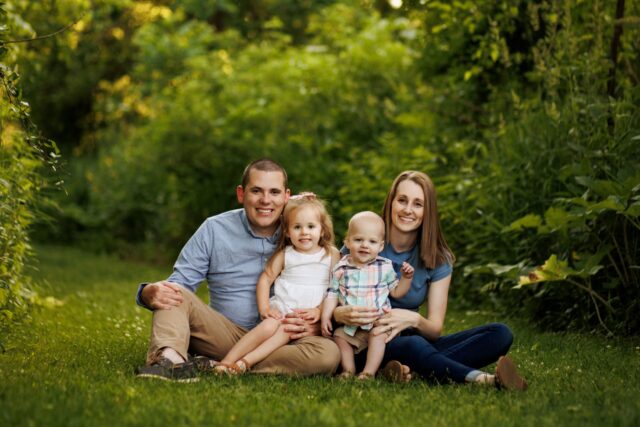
393 372
240 367
507 376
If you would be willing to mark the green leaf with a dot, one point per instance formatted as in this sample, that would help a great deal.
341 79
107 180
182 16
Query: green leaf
604 188
589 264
558 219
527 221
612 203
509 271
633 210
552 270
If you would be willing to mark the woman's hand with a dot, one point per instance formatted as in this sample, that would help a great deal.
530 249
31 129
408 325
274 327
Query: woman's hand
395 321
352 315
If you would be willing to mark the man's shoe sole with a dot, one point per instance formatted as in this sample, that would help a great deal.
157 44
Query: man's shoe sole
163 378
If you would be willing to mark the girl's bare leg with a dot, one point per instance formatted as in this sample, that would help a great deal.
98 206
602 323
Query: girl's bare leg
375 353
267 347
251 340
346 355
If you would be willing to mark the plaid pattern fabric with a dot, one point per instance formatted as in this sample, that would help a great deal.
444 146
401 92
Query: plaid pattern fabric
368 286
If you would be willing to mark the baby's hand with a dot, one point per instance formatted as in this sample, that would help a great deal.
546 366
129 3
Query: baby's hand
327 328
311 315
271 313
407 270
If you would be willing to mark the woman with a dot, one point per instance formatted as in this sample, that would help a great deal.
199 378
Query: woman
413 235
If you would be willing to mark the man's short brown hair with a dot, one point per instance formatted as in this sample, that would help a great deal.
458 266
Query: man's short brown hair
264 165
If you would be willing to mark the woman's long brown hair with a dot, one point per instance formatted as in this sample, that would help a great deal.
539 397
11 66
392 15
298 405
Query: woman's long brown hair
433 248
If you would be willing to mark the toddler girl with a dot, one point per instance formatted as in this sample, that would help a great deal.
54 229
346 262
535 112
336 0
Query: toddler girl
301 268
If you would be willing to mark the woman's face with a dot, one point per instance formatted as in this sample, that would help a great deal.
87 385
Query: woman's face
407 208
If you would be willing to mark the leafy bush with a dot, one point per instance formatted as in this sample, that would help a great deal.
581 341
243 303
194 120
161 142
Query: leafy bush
518 110
23 158
563 183
175 138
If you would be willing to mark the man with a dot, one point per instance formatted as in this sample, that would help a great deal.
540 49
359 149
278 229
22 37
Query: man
229 251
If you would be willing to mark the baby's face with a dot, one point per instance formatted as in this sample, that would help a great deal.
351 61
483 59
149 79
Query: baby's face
365 241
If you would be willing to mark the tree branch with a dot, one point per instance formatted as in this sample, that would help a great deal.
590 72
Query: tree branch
46 36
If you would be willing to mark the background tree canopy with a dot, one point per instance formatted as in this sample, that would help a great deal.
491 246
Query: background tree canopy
525 114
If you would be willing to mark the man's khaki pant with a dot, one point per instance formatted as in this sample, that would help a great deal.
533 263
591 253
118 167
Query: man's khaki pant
194 326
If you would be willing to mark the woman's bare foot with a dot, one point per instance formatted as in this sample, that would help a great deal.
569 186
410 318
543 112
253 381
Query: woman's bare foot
396 372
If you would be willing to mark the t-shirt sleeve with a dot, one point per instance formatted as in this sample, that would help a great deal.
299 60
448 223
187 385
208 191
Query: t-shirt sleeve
334 285
389 276
441 271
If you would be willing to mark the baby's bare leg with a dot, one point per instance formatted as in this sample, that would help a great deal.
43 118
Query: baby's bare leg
375 353
251 340
346 355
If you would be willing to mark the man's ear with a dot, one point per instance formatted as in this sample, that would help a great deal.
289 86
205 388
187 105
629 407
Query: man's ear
240 194
287 194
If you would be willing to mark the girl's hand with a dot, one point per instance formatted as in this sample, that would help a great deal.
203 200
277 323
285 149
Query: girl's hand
271 313
407 270
327 328
352 315
311 315
395 321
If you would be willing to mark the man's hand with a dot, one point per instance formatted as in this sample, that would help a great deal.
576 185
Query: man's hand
162 295
297 327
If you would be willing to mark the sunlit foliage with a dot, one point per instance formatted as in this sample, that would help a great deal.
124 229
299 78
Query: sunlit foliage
524 113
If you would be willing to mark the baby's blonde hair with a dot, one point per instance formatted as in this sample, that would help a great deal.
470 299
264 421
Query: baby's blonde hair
366 216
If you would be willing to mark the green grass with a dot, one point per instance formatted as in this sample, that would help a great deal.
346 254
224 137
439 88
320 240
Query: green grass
73 365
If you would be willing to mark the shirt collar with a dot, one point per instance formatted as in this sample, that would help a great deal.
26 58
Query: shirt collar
346 260
245 222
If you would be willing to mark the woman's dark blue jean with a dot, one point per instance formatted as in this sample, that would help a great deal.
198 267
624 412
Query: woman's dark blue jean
450 357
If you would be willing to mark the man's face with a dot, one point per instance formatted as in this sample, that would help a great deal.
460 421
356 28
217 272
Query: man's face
263 199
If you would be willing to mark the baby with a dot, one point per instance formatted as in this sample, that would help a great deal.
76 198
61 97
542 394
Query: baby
362 278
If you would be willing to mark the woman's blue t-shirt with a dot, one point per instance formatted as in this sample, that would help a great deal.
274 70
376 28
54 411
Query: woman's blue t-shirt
422 277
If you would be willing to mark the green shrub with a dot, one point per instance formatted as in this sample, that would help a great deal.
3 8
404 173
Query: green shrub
23 158
509 106
564 185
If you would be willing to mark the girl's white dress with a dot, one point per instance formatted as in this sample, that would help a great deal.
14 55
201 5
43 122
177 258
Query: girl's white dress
303 282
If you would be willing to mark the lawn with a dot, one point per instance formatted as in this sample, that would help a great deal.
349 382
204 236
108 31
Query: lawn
73 364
